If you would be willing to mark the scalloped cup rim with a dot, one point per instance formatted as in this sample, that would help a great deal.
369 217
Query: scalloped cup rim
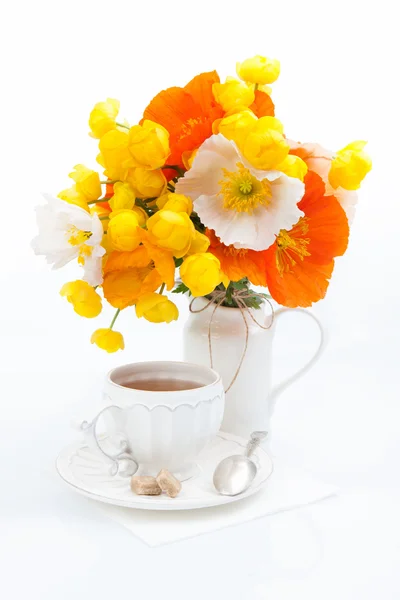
153 393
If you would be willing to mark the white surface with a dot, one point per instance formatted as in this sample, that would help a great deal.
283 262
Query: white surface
83 468
287 488
339 82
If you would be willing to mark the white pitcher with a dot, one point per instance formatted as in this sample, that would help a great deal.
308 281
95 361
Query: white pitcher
250 399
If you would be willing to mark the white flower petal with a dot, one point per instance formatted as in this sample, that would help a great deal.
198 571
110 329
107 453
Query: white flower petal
93 270
215 154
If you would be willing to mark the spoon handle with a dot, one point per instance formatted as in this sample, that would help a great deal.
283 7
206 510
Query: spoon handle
255 440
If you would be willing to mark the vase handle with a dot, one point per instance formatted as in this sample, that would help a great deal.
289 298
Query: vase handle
280 387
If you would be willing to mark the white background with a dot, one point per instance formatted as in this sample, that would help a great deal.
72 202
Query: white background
339 82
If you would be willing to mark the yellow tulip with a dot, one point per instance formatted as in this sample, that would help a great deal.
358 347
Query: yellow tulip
199 244
108 340
72 196
171 230
102 118
259 69
87 182
124 197
148 145
124 231
114 153
350 166
265 146
237 126
233 94
293 166
156 308
175 202
85 300
145 183
201 273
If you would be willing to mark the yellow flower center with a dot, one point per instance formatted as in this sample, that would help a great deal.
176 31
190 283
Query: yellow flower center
77 237
291 247
243 192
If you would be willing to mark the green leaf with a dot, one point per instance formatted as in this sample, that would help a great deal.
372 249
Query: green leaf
178 262
181 289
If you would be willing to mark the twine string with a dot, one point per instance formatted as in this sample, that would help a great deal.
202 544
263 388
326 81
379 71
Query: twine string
239 296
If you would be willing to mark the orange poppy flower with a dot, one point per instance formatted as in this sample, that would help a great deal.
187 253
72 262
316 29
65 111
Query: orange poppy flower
187 113
239 263
262 105
300 262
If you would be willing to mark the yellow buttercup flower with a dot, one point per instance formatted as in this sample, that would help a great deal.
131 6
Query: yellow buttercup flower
114 154
349 166
156 308
124 231
233 94
265 146
102 118
85 300
175 202
108 340
293 166
171 230
259 69
124 197
87 182
199 244
148 145
72 196
145 183
201 273
237 126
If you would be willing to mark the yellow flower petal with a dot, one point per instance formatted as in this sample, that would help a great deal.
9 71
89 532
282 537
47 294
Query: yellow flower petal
102 118
350 166
259 69
85 300
233 94
201 273
156 308
108 340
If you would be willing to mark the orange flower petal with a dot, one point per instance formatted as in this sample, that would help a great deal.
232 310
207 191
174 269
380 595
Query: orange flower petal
187 114
262 105
328 227
122 288
120 261
163 261
299 275
237 264
305 284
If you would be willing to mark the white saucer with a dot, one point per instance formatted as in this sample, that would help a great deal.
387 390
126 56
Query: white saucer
84 470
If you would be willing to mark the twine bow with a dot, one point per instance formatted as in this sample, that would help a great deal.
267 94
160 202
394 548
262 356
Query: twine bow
239 296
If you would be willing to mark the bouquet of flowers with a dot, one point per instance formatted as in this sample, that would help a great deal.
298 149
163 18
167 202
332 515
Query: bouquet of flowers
208 183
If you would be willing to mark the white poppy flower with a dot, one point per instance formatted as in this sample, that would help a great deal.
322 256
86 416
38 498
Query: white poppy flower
66 232
245 206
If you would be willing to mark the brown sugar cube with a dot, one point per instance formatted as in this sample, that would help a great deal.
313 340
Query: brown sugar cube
145 485
168 483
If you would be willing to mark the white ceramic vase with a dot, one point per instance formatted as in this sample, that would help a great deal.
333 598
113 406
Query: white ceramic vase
250 401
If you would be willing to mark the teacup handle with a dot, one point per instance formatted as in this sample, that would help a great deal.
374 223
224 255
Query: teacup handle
280 387
121 463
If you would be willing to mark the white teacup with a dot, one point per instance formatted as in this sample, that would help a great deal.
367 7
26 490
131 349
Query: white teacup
161 427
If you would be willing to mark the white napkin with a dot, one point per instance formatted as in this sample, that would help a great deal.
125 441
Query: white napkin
287 488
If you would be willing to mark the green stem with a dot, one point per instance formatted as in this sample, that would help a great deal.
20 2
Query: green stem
122 125
162 288
103 218
255 86
98 201
115 318
110 181
180 171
